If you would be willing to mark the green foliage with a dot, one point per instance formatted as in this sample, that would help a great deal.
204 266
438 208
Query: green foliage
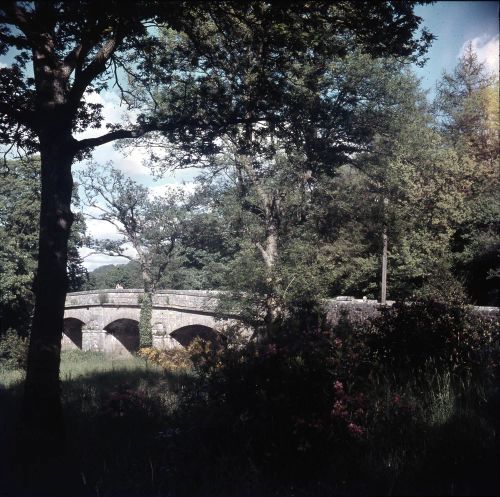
468 115
13 350
108 276
19 226
145 326
377 394
19 203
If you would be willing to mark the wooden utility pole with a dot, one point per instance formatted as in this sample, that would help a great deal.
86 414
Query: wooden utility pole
383 292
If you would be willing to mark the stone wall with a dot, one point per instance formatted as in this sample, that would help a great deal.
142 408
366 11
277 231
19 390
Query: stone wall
91 317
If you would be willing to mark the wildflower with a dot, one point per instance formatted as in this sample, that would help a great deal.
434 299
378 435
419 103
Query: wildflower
355 429
338 387
339 409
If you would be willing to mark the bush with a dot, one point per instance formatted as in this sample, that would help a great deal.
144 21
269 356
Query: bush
13 350
312 395
174 360
413 337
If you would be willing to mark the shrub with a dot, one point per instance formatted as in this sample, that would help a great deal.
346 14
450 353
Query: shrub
413 337
13 350
174 360
311 394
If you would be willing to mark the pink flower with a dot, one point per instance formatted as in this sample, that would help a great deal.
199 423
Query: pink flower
338 387
355 429
339 409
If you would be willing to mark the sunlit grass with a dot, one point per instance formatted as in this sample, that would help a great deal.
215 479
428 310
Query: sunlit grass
75 363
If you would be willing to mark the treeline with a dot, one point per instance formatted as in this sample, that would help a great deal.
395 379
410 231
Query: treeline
429 175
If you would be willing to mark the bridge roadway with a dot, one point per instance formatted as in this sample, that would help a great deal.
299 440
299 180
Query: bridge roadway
108 320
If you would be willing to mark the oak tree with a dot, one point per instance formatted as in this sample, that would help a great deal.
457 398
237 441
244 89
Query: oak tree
63 50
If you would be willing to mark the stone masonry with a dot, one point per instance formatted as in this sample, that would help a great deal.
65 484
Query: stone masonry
108 320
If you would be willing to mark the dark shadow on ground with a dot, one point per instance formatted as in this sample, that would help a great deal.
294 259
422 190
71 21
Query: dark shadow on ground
128 437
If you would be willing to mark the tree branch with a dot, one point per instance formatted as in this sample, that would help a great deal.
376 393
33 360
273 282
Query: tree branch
94 69
18 17
118 134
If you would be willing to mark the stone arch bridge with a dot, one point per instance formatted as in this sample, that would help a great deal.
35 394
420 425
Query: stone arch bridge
108 320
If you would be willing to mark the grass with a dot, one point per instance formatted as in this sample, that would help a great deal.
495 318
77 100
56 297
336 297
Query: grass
115 412
129 435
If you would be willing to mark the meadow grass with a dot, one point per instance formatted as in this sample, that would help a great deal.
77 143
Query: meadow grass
114 413
130 435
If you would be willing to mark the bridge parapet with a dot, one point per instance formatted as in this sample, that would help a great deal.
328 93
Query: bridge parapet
195 300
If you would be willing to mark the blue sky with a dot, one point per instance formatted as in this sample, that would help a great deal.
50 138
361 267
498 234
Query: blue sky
454 24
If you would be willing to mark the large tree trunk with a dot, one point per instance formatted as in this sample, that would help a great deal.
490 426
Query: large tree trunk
42 402
269 211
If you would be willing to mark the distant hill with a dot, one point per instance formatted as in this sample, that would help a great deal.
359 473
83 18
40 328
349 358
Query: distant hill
108 276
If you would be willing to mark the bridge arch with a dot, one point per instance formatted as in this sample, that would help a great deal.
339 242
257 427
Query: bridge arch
72 333
122 337
109 319
186 334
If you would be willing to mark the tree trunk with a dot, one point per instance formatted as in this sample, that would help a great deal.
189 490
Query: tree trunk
383 291
42 400
383 283
270 255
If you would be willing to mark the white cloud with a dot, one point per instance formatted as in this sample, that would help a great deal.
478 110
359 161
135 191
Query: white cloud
102 229
487 50
92 260
160 190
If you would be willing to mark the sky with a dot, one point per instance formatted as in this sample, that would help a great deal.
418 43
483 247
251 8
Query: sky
454 24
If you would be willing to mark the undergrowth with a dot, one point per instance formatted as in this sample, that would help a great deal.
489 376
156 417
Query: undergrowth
309 411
